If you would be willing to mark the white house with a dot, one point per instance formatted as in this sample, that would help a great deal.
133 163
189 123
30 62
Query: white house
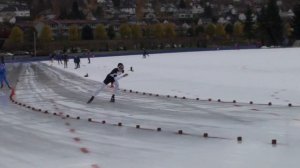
242 17
168 8
128 10
197 9
22 11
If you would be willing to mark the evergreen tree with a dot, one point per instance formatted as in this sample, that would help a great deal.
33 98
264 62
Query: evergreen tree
274 23
199 30
248 28
29 34
208 12
262 26
76 13
99 13
116 3
182 4
296 22
111 32
87 33
229 29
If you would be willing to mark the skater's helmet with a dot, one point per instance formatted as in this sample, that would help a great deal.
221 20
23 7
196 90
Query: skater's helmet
120 65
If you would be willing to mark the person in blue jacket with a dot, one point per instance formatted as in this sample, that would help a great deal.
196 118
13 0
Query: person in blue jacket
3 73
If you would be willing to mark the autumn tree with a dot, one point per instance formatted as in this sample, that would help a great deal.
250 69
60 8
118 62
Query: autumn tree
170 30
74 34
238 29
210 30
46 34
220 30
136 31
125 31
100 32
158 31
16 36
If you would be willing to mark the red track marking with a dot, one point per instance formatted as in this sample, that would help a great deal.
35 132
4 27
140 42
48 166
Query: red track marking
84 150
238 105
72 130
95 166
76 139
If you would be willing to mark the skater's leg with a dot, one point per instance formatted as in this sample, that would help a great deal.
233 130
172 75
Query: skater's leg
116 87
6 81
96 93
99 90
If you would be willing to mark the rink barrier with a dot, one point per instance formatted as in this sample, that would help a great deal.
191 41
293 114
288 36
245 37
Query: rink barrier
180 132
209 99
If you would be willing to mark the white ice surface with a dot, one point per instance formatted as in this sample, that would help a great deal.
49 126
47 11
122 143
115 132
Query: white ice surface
30 139
261 76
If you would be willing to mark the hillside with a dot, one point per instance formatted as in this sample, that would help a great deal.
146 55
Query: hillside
64 7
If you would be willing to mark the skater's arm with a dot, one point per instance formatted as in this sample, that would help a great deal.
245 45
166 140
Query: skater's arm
121 76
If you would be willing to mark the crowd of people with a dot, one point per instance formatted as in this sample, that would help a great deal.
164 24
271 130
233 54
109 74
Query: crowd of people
63 58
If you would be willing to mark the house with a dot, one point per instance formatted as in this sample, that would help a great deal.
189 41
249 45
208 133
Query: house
197 9
18 10
287 15
168 8
184 14
60 28
128 7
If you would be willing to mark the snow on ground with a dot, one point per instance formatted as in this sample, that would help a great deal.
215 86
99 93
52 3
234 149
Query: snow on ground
260 75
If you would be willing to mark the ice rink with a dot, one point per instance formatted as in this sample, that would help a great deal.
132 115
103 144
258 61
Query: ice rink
31 138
